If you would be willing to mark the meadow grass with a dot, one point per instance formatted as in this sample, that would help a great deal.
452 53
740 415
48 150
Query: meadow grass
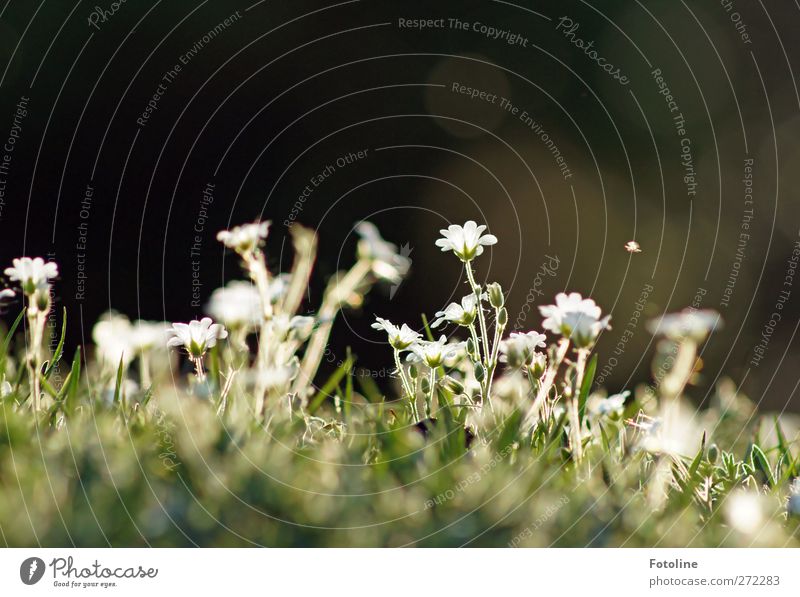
487 440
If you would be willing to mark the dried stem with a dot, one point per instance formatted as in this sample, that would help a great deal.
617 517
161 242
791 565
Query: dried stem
337 295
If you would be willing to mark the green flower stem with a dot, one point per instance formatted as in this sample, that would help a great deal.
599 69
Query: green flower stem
429 396
34 359
144 370
498 335
198 368
403 379
414 411
481 318
548 379
574 415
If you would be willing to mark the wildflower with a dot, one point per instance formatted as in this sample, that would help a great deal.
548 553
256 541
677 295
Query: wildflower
400 338
690 324
575 318
148 335
197 336
462 314
465 241
112 336
519 349
433 354
32 274
274 377
298 327
633 247
118 339
744 511
237 305
385 261
676 432
244 239
538 364
611 406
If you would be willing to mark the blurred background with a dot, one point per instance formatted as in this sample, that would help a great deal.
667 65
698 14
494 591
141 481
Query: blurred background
591 124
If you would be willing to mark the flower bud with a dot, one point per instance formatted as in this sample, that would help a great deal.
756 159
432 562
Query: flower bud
496 298
713 453
471 348
425 385
538 365
480 372
41 298
412 371
502 317
453 385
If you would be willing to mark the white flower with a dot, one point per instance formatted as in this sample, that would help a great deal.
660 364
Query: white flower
7 294
399 337
32 274
148 335
689 323
246 238
274 377
196 336
676 432
466 241
298 327
117 339
433 354
384 259
519 350
112 334
463 314
613 405
744 511
575 318
238 304
538 364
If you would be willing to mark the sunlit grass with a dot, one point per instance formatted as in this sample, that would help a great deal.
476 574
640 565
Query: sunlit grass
483 439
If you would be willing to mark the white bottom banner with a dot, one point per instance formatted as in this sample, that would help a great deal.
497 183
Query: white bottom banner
356 572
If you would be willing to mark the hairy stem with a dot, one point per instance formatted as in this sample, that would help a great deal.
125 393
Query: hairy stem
548 379
574 414
481 318
498 334
429 396
36 323
198 369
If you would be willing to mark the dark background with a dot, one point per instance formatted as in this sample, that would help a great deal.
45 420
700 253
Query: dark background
291 86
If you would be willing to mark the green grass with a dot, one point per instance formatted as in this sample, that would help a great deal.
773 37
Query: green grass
103 468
